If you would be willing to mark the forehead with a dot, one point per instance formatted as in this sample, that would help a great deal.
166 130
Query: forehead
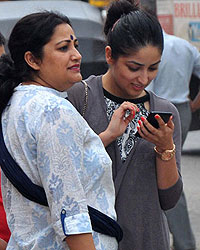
145 55
63 31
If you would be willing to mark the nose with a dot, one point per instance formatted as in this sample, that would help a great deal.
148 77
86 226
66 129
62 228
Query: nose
143 77
76 55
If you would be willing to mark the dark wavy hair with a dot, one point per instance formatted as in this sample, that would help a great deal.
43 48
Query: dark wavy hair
30 33
128 28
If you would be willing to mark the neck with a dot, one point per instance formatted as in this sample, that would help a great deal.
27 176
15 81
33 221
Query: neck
106 82
38 82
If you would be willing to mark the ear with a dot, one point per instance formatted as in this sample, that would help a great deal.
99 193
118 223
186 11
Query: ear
108 55
31 60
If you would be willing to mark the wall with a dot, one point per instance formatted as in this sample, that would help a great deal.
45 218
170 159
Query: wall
181 18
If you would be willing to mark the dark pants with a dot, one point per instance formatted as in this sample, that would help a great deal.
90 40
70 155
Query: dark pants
178 217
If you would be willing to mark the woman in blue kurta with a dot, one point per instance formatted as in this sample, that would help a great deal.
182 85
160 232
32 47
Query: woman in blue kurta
51 142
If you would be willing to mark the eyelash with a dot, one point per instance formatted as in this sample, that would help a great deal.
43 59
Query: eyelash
153 69
134 70
64 48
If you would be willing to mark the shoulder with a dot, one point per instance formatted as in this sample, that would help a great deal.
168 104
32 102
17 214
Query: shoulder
38 102
35 97
76 88
179 42
51 102
93 79
92 84
161 104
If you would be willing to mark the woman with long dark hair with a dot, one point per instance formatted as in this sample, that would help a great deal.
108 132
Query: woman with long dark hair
51 148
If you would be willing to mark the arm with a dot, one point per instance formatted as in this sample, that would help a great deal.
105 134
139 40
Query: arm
57 141
195 104
3 244
118 123
162 138
80 242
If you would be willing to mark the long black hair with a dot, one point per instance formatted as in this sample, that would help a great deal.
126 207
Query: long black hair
128 28
30 33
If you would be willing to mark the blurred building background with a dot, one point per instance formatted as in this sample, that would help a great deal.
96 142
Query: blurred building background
181 18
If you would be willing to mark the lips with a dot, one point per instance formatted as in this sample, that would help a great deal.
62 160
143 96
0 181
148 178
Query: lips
75 67
138 86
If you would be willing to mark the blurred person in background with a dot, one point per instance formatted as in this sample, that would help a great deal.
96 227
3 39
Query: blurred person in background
179 61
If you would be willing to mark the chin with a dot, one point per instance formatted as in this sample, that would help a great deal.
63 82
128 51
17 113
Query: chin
77 78
80 78
72 84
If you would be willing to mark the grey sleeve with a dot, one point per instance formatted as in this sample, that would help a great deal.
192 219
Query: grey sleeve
169 197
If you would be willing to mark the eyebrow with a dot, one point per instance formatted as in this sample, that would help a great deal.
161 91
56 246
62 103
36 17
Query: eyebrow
140 64
68 41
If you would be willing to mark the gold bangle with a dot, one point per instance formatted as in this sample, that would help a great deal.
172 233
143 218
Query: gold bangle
167 154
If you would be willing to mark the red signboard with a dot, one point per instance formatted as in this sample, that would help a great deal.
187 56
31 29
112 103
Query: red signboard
188 9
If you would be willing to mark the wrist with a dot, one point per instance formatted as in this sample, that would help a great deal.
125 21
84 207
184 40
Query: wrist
167 154
106 137
168 147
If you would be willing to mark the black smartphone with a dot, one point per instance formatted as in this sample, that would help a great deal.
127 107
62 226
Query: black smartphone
152 120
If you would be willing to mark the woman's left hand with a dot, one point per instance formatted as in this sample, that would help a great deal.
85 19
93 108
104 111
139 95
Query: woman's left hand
119 122
166 171
161 137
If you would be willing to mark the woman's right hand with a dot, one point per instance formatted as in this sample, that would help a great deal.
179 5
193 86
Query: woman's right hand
3 244
118 122
80 242
162 137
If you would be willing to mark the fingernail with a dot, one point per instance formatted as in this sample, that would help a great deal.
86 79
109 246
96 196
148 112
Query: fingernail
138 128
140 123
156 116
133 108
143 118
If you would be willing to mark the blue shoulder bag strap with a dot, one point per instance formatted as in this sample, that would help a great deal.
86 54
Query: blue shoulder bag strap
101 223
17 176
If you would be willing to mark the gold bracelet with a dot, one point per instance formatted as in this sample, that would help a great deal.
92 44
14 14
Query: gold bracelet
167 154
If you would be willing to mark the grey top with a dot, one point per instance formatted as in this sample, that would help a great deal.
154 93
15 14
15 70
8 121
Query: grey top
140 204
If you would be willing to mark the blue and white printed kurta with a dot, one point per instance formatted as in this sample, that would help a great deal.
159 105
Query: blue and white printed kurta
56 148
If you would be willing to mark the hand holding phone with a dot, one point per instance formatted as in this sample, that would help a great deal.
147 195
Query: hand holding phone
152 120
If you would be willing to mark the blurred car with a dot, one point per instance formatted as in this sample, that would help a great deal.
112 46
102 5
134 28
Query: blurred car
86 21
